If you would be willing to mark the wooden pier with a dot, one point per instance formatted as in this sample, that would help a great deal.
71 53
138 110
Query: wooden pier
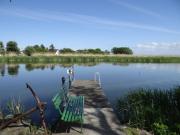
100 118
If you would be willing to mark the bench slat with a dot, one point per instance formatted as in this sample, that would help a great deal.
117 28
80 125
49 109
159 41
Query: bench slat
65 112
73 109
76 112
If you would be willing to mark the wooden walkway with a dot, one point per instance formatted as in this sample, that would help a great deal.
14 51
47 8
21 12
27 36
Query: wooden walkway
100 118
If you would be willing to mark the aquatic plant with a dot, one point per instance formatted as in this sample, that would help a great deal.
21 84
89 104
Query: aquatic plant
84 58
156 110
14 106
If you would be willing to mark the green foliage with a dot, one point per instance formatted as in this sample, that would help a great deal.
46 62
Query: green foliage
121 50
12 46
89 58
90 51
2 50
67 50
51 48
160 129
29 50
40 48
145 108
131 131
14 106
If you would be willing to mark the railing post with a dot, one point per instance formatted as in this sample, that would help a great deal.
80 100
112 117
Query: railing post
97 74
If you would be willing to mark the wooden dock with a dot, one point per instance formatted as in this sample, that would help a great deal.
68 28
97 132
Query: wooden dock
100 118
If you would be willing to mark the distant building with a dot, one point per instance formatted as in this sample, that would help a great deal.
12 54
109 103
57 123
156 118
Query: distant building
57 52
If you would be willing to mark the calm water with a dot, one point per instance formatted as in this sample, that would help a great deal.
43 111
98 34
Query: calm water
117 80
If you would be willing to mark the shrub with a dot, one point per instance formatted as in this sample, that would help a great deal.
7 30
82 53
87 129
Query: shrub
148 109
121 50
29 50
160 129
67 50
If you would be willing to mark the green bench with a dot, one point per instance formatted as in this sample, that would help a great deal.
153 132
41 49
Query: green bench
70 108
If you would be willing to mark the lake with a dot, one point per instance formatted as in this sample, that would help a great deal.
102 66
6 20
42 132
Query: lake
117 79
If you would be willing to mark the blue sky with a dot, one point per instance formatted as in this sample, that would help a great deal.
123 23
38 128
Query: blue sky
146 26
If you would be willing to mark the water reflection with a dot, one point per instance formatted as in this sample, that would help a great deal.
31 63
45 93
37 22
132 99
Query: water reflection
2 69
121 64
13 69
30 67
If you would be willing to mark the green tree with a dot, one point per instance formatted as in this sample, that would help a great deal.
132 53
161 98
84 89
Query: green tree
12 46
91 51
43 48
2 50
29 50
82 51
37 48
121 50
67 50
51 48
98 51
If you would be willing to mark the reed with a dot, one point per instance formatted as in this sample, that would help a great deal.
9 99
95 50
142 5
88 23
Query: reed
153 110
70 58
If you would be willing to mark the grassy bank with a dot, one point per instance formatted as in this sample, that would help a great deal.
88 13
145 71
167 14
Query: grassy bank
153 110
89 58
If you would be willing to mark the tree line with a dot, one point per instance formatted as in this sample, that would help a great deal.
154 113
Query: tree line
12 47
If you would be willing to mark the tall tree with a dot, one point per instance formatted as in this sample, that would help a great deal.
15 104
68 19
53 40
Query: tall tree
12 46
51 48
29 50
2 50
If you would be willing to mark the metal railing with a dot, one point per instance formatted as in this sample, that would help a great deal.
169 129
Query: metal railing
97 78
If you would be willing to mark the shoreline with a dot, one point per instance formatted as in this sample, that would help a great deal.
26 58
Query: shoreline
85 58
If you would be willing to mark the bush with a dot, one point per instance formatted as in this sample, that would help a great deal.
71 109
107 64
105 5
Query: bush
121 50
67 50
90 51
29 50
151 109
160 129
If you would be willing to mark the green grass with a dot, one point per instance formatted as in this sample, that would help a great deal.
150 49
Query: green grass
131 131
153 110
89 58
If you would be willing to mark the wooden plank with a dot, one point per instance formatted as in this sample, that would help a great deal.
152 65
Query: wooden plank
93 94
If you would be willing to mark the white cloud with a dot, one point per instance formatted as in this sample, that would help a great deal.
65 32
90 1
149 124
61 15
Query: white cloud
155 48
136 8
79 18
155 45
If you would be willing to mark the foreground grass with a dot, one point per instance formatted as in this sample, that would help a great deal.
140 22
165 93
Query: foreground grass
70 58
153 110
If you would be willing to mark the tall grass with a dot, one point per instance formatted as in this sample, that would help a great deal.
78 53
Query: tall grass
67 58
157 110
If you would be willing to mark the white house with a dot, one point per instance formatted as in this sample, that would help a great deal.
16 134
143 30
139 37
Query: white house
57 52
